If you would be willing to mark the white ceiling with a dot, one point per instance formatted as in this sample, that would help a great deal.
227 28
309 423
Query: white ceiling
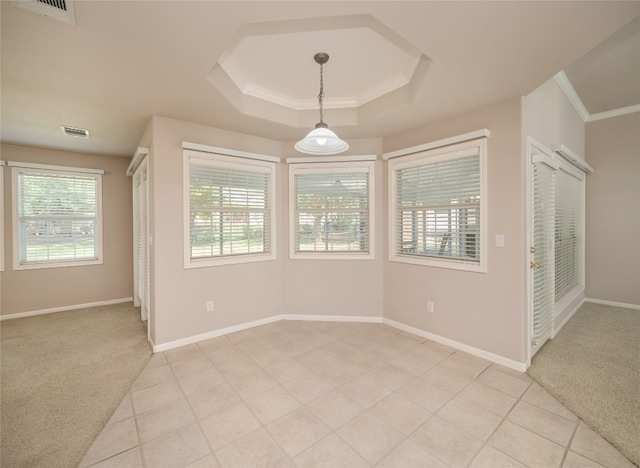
125 61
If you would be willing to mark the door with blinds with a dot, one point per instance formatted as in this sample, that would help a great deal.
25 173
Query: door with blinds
541 251
556 250
141 233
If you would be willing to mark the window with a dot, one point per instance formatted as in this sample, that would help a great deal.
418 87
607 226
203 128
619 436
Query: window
331 210
438 212
57 216
229 214
568 206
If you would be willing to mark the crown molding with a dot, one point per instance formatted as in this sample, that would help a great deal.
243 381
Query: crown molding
569 91
614 113
563 81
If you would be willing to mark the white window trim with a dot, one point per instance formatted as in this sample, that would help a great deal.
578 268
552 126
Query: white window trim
482 133
434 156
16 222
186 145
359 165
232 162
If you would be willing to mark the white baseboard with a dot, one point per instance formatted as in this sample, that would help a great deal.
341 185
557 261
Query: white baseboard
257 323
213 334
333 318
503 361
614 304
519 366
566 319
62 309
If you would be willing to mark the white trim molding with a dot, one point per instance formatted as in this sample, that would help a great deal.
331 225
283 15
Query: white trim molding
333 318
614 113
511 364
228 152
51 167
64 308
613 303
483 133
137 159
256 323
573 158
495 358
323 159
569 91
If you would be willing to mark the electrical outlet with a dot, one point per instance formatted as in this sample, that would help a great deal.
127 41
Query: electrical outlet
430 306
209 306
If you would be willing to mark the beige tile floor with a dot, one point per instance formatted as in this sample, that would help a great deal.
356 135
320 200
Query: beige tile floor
326 394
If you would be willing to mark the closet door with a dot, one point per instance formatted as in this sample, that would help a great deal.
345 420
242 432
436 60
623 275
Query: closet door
142 240
541 252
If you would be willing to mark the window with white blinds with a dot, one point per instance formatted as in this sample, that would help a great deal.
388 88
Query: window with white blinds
568 196
57 216
437 207
331 208
230 210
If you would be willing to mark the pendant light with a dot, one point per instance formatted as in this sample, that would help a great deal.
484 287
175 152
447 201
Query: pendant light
321 140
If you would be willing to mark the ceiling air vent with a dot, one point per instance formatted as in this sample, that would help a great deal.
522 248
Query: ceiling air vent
75 131
61 10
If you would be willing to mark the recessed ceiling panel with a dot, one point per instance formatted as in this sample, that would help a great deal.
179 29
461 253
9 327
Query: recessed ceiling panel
272 67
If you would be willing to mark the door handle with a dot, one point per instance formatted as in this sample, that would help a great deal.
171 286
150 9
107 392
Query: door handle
534 265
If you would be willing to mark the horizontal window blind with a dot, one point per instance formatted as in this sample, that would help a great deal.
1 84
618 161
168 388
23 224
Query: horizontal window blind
230 211
331 211
542 259
438 209
567 205
58 216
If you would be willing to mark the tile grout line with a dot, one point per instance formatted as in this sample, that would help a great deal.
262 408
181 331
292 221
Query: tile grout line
385 358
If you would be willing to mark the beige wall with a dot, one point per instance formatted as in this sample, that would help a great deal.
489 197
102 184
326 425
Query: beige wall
340 287
550 118
482 310
613 210
241 293
245 292
35 290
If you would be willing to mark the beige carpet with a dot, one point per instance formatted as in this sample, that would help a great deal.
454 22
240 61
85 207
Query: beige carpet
593 367
63 375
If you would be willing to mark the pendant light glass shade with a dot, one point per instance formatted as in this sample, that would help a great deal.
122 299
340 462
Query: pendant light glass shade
321 140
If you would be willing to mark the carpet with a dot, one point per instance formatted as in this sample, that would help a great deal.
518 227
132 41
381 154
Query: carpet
63 375
593 367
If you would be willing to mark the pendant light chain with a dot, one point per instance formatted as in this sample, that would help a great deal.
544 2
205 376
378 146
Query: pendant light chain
321 95
321 140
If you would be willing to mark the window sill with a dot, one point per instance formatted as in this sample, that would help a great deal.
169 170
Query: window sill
44 265
448 264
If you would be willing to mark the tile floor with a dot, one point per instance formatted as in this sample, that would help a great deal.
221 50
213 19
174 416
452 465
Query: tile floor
327 394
